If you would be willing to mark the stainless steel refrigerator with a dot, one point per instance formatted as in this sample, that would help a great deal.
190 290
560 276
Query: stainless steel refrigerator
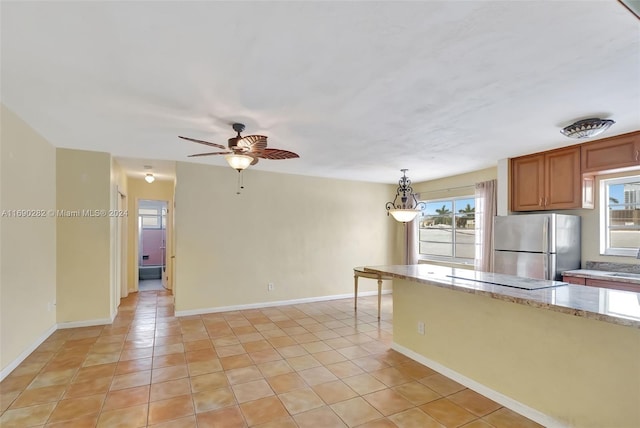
536 245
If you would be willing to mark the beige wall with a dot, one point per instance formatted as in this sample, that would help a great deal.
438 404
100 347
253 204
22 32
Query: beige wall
455 185
27 245
579 371
84 242
303 234
137 188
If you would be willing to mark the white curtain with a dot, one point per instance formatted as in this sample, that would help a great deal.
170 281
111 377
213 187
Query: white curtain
411 249
486 209
411 242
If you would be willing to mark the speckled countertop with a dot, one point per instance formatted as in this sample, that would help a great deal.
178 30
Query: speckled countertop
632 278
613 306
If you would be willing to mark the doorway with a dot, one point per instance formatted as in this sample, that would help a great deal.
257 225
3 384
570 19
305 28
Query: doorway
152 245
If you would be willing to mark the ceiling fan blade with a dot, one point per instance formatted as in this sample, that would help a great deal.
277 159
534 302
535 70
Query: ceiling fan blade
209 154
253 143
206 143
277 154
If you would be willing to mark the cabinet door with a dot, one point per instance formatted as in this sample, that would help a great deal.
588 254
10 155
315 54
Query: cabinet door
617 152
527 183
613 284
563 184
574 280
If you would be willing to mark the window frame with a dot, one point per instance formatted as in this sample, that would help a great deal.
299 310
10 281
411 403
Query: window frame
159 216
605 248
453 259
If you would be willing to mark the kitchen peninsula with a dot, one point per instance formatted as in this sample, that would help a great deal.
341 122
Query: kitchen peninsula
563 355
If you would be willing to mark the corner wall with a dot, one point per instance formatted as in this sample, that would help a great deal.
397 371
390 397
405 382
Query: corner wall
27 244
84 240
303 234
119 233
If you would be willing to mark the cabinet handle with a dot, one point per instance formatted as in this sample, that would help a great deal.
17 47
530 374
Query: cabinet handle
546 201
540 203
637 154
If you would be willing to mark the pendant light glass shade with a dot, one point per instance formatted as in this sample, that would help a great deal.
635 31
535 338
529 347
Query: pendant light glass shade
404 216
149 178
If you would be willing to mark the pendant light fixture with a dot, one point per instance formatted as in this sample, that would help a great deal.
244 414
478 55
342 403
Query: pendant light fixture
148 177
408 207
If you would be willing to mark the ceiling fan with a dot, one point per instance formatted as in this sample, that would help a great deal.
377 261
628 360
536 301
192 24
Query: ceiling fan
244 151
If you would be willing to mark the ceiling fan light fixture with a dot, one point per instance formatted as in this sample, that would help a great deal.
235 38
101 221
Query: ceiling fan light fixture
587 128
149 178
407 207
238 162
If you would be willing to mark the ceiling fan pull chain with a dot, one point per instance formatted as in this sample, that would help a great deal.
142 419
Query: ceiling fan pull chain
240 184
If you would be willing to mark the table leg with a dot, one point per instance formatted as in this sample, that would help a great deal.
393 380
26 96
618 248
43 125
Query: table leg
379 295
355 292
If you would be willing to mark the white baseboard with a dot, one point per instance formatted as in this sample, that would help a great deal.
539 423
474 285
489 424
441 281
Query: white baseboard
499 398
87 323
277 303
15 363
73 324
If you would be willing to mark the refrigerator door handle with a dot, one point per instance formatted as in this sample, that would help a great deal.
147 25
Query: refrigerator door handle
545 248
545 235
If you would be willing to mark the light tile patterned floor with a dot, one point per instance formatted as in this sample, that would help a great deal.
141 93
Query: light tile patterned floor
316 365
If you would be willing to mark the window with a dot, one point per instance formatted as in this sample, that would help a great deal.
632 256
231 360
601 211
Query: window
447 230
152 218
620 216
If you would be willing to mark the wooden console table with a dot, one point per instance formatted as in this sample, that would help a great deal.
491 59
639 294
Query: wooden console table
360 272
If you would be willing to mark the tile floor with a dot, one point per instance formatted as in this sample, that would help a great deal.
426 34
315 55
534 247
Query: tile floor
150 285
313 365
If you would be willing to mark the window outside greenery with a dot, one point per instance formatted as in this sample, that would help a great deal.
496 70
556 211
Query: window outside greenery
447 229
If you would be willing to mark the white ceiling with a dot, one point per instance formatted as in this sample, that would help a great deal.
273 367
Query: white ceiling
358 89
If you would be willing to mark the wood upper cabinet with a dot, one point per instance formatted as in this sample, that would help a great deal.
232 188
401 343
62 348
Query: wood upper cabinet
547 181
622 151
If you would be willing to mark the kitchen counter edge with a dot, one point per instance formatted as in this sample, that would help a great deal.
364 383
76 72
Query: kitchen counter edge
583 302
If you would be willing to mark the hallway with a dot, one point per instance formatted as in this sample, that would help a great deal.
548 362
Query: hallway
310 366
150 285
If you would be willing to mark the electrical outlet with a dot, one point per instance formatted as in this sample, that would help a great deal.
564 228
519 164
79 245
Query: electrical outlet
270 286
421 327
